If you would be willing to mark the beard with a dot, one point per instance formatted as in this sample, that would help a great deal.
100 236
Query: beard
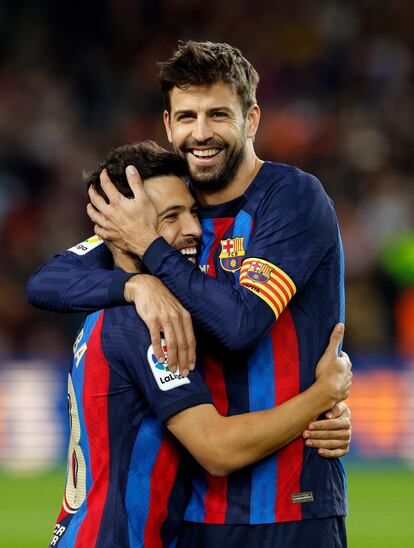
221 175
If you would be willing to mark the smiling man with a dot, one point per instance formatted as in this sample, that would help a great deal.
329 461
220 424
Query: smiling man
266 296
126 479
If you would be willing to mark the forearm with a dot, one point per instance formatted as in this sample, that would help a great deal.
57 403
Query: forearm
69 283
225 444
206 298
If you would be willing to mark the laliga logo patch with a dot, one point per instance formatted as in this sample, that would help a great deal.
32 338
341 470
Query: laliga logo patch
166 379
259 272
232 253
87 245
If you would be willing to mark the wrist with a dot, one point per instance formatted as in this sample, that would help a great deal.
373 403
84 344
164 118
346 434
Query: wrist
321 395
145 240
131 286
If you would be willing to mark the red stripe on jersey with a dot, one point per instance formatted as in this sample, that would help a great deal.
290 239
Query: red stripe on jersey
95 412
215 500
62 515
220 228
163 476
287 385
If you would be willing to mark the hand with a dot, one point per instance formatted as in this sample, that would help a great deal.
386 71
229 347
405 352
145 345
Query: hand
129 223
331 436
333 372
161 311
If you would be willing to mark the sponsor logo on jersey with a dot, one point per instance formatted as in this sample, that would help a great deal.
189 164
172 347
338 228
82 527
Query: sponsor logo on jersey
87 245
259 272
232 253
166 379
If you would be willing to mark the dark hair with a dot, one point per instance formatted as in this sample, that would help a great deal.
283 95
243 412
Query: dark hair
150 159
205 64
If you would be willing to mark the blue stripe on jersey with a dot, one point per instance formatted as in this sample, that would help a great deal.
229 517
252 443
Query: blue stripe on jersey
196 510
341 280
138 491
262 396
207 240
78 374
242 227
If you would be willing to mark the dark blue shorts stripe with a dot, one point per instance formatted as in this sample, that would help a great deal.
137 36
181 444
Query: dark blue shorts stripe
308 533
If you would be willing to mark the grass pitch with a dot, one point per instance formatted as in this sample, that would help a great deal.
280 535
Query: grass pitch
381 506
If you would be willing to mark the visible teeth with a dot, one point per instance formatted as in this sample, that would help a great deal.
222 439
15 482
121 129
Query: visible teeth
204 153
189 251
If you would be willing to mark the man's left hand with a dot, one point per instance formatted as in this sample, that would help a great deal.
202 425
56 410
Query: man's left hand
129 223
331 436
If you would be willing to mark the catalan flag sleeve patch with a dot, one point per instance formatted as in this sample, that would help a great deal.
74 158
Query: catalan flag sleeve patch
268 282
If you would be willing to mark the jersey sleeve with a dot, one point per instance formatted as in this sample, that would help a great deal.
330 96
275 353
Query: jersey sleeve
80 279
294 230
128 347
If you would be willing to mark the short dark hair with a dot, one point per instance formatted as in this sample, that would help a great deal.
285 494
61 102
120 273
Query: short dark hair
205 64
150 159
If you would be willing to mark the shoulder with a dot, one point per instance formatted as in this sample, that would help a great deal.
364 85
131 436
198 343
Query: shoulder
286 190
292 180
123 330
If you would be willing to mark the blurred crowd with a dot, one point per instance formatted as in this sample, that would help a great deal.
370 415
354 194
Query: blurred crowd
336 94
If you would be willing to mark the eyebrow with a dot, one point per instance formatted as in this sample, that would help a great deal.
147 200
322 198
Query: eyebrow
209 111
174 208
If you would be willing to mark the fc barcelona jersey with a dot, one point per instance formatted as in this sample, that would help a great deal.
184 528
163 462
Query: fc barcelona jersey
265 298
125 483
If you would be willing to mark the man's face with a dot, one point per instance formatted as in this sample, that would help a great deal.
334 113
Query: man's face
177 213
208 129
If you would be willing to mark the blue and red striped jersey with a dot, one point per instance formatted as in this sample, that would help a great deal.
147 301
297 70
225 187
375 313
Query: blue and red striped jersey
125 482
267 293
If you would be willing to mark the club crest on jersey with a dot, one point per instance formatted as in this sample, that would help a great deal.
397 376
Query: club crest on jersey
259 272
166 379
232 253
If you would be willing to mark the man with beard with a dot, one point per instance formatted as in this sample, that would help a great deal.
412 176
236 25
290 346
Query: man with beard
269 292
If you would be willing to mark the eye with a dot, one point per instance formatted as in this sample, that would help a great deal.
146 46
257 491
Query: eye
171 217
194 212
219 114
185 116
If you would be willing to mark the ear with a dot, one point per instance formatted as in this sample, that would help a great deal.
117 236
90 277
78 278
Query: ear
253 119
167 125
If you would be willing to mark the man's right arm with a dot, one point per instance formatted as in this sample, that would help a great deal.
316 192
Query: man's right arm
225 444
80 279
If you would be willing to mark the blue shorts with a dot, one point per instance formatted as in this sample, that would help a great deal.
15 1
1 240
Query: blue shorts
309 533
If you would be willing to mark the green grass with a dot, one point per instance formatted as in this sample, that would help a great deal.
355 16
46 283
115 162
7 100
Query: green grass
29 506
380 500
381 507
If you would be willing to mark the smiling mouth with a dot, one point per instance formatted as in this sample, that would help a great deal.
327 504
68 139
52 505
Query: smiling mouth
205 153
189 252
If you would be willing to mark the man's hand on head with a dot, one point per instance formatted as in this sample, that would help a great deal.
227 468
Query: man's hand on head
129 223
162 312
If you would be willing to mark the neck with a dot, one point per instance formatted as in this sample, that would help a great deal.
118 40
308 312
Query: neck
125 261
244 177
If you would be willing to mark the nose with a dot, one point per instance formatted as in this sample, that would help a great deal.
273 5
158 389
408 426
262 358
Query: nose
201 129
191 226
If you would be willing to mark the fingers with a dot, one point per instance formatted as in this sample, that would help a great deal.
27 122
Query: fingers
327 444
340 423
95 216
155 334
96 199
339 409
343 434
134 180
190 338
109 188
336 338
333 453
171 342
